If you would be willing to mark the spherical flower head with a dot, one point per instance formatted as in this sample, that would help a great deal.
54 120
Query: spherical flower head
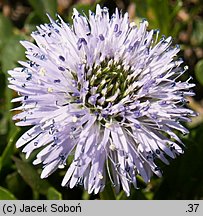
106 91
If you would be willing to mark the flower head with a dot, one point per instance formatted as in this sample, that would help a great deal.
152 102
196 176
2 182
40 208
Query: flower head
105 90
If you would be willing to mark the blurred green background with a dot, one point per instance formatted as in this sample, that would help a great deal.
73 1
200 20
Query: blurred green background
183 178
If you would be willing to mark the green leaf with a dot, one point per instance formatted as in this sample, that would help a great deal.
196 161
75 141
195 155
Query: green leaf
32 21
53 194
50 7
31 177
85 195
176 8
182 180
161 17
121 196
42 7
5 29
199 71
7 153
82 8
0 163
38 8
135 194
16 185
6 195
12 52
108 193
197 33
161 13
3 123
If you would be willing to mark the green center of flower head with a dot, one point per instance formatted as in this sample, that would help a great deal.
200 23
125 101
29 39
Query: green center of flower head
107 85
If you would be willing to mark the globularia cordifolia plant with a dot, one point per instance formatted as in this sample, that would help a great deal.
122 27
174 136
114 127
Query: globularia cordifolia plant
106 91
